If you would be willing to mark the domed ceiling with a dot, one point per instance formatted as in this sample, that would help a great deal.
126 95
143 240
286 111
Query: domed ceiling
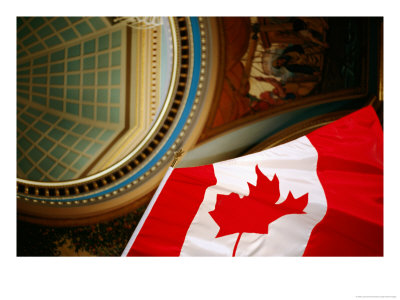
103 104
73 100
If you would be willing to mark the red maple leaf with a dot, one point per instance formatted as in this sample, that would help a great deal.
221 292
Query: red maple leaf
254 213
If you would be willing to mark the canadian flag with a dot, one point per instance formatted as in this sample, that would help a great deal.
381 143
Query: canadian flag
319 195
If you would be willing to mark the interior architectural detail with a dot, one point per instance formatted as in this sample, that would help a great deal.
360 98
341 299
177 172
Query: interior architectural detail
104 103
102 115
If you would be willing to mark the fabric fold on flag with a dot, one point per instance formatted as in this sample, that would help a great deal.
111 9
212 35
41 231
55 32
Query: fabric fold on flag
319 195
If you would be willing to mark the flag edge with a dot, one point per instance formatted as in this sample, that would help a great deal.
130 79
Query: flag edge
146 213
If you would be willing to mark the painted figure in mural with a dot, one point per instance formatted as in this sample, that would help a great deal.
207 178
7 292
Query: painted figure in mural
292 56
278 95
293 63
296 60
281 92
303 30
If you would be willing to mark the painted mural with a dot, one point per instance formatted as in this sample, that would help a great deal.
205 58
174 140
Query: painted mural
273 64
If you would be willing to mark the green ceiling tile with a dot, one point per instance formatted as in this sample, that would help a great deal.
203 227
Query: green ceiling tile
58 151
57 171
41 60
24 65
72 108
68 175
83 28
74 65
47 163
89 46
68 34
22 79
36 22
34 111
106 135
88 79
69 140
22 54
52 41
101 113
57 104
102 78
102 95
116 39
33 135
35 174
21 105
23 95
40 70
116 58
59 23
74 19
20 22
39 89
59 55
24 143
41 126
66 124
73 79
29 40
57 68
50 118
56 134
57 92
93 149
25 165
74 51
46 144
35 154
88 95
36 48
22 72
88 63
23 32
19 154
22 87
94 132
45 31
81 162
88 111
73 94
103 42
70 157
97 23
82 144
80 128
20 125
39 80
28 119
102 61
58 80
115 76
114 115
